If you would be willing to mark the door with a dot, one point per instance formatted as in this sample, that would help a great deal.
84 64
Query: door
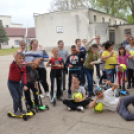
112 35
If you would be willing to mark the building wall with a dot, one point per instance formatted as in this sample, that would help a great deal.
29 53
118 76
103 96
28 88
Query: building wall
99 29
75 25
100 15
120 32
11 42
6 20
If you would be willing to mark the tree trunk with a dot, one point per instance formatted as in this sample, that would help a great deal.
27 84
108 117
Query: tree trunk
0 45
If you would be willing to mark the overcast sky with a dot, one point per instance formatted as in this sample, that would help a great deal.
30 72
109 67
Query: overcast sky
22 10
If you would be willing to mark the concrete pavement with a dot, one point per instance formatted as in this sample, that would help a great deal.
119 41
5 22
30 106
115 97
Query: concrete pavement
57 120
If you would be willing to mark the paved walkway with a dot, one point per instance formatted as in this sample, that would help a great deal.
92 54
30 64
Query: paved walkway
57 120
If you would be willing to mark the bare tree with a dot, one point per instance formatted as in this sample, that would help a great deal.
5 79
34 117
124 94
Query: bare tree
61 5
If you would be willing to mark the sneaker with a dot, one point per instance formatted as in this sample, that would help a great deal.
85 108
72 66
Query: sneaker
59 99
17 113
69 109
47 94
69 96
23 111
123 88
128 86
41 95
80 108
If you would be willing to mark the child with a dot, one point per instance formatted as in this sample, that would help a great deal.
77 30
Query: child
84 42
113 103
102 66
76 88
32 76
15 72
88 66
64 54
122 59
130 63
56 63
81 49
110 57
74 62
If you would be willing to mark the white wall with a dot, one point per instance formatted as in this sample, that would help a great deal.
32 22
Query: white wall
75 25
6 20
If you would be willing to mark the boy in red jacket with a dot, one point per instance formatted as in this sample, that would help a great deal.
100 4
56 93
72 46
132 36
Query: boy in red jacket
16 71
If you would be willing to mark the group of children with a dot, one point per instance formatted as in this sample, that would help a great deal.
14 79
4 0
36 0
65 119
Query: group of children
26 70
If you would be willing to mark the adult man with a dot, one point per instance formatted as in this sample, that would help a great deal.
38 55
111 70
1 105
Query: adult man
126 41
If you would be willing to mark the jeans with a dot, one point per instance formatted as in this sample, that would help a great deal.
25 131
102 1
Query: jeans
16 93
110 75
73 105
122 109
76 73
104 76
28 95
89 73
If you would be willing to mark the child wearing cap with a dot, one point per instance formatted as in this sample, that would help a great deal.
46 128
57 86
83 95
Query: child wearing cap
76 88
112 103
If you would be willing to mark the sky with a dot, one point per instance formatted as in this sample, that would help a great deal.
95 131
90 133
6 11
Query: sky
22 10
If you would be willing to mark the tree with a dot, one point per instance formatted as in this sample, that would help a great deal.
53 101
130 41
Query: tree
3 36
61 5
118 8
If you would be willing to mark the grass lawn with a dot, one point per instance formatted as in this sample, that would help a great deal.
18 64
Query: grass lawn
10 51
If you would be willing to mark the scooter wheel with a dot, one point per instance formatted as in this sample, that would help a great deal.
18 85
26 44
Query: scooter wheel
54 102
24 117
33 112
47 107
9 115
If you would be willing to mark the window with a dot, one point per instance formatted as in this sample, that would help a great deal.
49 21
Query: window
28 41
103 20
5 43
128 31
6 25
109 21
94 18
115 22
0 21
16 42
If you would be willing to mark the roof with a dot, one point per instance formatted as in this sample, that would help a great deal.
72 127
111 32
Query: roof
20 32
36 14
120 25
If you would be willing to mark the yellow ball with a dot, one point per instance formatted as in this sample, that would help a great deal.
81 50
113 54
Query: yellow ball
98 108
77 95
131 52
123 67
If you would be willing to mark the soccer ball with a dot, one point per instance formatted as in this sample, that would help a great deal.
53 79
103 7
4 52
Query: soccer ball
123 67
77 95
131 52
98 108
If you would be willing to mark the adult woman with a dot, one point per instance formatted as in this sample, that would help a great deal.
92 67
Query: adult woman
38 49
